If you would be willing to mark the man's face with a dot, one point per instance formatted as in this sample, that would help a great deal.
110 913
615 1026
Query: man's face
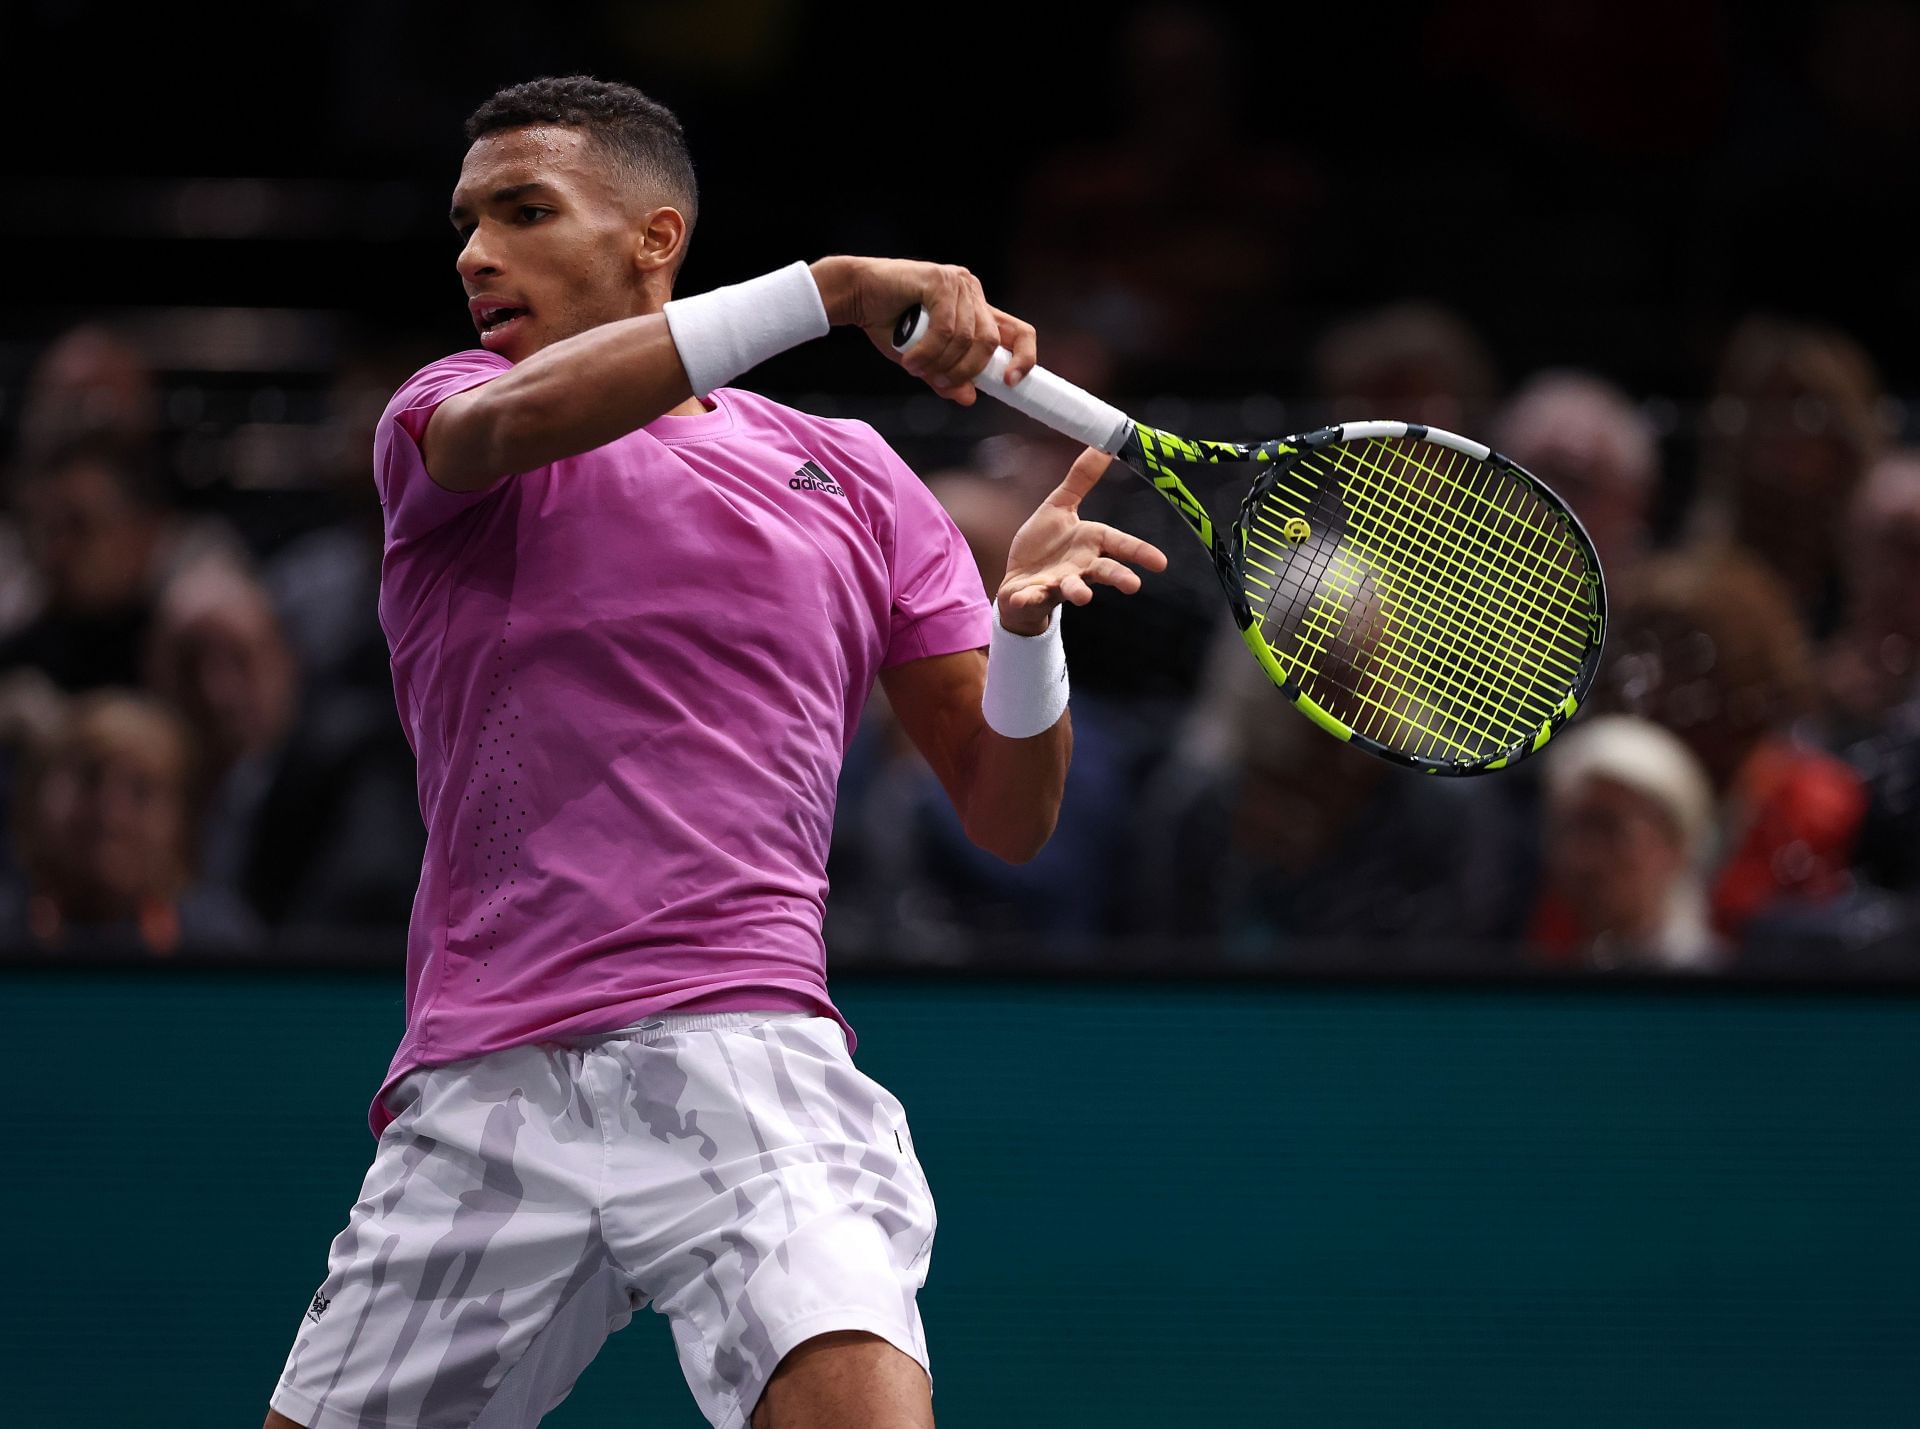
548 238
111 817
230 669
1581 446
1885 543
1614 855
90 543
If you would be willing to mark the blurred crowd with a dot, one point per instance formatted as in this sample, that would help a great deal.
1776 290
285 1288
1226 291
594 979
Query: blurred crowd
198 740
199 749
200 752
1740 793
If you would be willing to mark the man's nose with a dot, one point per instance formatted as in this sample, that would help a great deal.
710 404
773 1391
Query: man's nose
476 259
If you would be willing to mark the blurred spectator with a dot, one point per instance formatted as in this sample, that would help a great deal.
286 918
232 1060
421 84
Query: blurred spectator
19 590
900 852
1262 832
1872 663
311 810
94 518
326 582
89 387
1628 830
90 382
1158 258
1173 614
1871 672
904 865
1888 760
1585 438
1412 362
1794 424
31 708
989 513
1708 645
100 539
104 821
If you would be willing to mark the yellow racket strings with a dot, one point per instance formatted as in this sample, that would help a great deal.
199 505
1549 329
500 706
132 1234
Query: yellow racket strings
1489 576
1442 611
1317 605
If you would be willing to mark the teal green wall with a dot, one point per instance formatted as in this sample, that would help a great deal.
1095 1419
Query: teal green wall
1158 1205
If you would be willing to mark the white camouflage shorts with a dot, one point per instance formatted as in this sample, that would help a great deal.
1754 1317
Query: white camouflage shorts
734 1168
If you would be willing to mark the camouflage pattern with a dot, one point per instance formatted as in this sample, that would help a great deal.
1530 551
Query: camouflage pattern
734 1169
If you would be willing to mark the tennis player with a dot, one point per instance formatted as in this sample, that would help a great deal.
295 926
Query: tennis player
634 612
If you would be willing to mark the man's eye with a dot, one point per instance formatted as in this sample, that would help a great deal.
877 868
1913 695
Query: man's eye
526 209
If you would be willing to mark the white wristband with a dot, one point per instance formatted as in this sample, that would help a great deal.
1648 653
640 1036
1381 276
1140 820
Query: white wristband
1026 679
723 333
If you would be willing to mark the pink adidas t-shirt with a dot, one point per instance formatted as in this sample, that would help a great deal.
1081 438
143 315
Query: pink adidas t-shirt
629 679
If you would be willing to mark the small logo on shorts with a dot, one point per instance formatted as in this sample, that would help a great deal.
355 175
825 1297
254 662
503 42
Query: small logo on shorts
812 478
318 1307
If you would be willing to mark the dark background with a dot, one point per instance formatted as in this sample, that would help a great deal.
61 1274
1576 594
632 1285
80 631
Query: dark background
1612 184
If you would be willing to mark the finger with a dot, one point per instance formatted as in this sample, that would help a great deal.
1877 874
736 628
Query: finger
949 329
914 359
1076 590
947 369
986 333
1082 477
944 345
1115 542
1020 339
1108 572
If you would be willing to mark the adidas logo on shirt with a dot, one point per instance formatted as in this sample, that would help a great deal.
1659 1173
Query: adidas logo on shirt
811 478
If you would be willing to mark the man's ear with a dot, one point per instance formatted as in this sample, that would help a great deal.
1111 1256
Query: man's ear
662 238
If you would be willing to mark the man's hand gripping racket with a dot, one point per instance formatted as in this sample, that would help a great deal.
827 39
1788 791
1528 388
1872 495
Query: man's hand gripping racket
1411 591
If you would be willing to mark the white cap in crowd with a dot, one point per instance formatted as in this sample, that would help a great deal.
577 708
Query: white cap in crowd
1645 758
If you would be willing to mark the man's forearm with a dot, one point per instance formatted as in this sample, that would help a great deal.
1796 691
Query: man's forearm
596 386
1013 797
586 390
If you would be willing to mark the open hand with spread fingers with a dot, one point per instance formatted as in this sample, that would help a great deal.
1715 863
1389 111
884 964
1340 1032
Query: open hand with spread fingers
1057 556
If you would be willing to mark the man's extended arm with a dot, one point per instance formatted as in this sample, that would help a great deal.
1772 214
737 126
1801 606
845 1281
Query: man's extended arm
1008 791
596 386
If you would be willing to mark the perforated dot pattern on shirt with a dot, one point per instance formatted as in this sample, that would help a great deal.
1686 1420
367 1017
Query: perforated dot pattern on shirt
499 818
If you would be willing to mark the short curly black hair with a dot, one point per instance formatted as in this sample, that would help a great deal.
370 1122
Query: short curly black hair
640 134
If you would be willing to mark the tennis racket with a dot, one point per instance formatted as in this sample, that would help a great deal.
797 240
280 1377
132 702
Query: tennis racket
1412 592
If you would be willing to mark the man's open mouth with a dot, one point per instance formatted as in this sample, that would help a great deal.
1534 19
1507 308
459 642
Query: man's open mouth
497 324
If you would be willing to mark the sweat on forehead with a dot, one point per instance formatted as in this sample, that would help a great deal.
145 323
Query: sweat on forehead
512 164
518 158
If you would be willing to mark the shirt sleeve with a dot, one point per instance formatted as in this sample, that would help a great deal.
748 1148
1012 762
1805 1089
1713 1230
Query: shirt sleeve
939 603
415 503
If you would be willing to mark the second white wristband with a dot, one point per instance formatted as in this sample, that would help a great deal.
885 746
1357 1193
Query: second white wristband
1026 680
723 333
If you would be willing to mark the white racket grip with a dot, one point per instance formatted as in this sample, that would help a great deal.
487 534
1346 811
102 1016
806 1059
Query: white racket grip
1048 399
